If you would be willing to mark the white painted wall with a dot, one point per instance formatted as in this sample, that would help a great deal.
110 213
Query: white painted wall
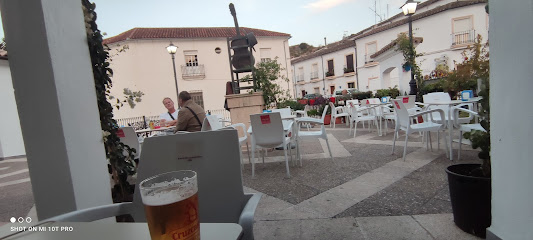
56 100
436 31
11 142
340 81
147 66
511 122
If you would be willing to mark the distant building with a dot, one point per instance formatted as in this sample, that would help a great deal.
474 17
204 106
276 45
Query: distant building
202 64
442 30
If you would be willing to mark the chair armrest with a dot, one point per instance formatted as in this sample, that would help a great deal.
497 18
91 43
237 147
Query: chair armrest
458 109
246 220
309 120
94 213
440 111
239 125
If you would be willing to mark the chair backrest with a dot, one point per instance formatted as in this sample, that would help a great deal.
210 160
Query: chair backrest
352 103
211 122
408 101
324 112
438 97
267 129
284 112
402 116
214 155
333 109
128 136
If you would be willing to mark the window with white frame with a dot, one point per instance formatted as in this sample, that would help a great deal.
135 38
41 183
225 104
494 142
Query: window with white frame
462 30
191 58
264 53
371 48
300 76
351 85
317 90
314 71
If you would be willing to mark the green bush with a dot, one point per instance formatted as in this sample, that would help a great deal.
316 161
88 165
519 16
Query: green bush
390 92
291 103
313 112
362 95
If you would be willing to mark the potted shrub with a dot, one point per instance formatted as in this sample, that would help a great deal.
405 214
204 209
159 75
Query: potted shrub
470 184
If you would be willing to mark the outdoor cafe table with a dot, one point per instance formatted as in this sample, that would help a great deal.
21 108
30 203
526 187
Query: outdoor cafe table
155 129
112 230
450 104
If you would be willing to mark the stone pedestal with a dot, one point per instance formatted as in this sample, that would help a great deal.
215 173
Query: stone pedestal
243 105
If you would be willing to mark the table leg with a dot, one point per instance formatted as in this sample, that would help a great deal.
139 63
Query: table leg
450 126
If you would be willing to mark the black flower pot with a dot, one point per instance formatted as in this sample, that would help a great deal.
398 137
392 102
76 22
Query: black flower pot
471 199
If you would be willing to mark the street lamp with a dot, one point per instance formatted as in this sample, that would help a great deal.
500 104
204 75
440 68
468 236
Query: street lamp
409 8
172 50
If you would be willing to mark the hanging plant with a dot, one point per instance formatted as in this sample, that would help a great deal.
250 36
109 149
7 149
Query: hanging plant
120 156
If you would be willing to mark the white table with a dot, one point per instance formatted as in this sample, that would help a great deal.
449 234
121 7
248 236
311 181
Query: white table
449 118
155 129
112 230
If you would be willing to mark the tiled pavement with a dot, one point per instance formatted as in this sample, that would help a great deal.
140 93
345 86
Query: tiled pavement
363 193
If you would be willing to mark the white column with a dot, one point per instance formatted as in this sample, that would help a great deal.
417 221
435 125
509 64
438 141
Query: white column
54 89
11 143
511 80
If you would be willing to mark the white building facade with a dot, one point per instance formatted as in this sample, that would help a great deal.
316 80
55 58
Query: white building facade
202 65
443 29
326 70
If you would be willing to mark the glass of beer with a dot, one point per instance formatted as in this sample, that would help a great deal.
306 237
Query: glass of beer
171 205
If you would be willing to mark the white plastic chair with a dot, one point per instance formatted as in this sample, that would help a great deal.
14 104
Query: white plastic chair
404 122
211 122
445 98
464 127
336 112
130 139
312 134
213 155
242 140
356 116
268 132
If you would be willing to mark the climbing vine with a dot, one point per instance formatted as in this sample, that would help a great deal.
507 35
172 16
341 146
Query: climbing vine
120 156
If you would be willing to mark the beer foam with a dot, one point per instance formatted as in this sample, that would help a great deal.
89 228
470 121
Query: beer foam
171 192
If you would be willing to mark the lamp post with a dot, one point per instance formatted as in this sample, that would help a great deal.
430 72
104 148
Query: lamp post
409 8
172 50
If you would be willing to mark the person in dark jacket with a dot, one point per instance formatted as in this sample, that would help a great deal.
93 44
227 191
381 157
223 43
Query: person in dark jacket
190 116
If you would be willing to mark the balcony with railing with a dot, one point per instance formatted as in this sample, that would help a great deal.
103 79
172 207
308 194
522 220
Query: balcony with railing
192 72
463 38
314 75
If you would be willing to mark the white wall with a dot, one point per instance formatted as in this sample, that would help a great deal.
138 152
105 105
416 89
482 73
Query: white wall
340 80
146 66
511 120
11 142
436 31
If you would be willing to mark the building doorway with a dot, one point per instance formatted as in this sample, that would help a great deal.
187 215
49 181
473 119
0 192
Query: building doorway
332 89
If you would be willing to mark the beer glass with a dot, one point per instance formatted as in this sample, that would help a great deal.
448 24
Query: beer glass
171 205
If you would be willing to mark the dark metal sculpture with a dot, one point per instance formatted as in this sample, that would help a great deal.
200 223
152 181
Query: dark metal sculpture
242 59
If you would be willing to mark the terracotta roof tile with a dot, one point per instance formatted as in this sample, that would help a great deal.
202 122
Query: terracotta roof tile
415 17
200 32
416 40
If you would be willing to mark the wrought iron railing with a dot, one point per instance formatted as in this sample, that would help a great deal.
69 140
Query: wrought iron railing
138 123
143 122
464 37
192 71
221 112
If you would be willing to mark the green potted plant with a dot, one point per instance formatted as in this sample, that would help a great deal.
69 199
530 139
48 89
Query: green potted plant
470 184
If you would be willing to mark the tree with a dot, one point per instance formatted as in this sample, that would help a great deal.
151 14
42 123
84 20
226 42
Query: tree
266 74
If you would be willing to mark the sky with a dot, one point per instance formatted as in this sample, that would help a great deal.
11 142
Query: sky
305 20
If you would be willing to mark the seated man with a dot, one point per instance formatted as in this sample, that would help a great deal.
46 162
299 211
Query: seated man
169 118
191 115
